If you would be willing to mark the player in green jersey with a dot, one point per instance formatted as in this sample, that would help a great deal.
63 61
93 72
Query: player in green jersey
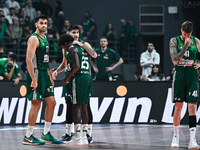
185 87
39 83
81 85
74 32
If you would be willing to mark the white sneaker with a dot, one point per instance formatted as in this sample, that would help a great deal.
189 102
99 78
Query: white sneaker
193 144
175 141
84 138
78 141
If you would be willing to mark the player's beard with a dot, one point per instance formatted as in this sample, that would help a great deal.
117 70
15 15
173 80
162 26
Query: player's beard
42 29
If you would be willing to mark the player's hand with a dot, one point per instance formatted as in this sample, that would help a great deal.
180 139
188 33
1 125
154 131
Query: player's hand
196 65
54 75
77 42
108 69
96 70
52 82
65 81
188 41
52 70
34 84
16 81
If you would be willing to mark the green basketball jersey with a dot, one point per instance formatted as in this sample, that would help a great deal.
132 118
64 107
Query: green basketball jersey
190 54
83 61
69 61
41 58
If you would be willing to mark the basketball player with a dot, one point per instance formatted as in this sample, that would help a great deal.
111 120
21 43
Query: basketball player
74 32
39 83
185 87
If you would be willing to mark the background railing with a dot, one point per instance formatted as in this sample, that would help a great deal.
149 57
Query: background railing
18 46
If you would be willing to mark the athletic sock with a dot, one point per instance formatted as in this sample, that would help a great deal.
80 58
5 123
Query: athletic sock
29 131
89 130
47 126
176 131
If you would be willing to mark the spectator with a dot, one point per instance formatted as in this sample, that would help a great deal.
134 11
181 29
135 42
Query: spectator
59 22
11 15
24 19
10 69
132 31
109 32
52 34
12 4
4 8
88 26
31 12
16 32
138 72
80 32
26 33
44 7
65 27
156 74
123 36
58 8
17 11
104 60
22 3
5 20
4 29
149 58
170 77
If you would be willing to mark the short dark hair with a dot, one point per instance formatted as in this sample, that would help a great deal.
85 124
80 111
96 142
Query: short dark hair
42 16
73 27
187 26
65 38
13 57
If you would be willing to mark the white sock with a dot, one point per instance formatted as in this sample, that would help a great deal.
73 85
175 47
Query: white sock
192 133
47 126
84 128
72 129
89 130
176 131
69 129
77 130
29 131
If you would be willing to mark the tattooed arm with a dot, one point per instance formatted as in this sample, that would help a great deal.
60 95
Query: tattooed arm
175 56
197 43
87 47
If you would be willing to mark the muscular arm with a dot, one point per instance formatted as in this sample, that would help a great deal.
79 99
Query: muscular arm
197 43
63 64
87 47
32 44
175 56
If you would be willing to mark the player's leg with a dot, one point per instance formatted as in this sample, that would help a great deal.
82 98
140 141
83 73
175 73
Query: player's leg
90 120
192 125
49 111
192 98
69 121
84 116
36 99
77 123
